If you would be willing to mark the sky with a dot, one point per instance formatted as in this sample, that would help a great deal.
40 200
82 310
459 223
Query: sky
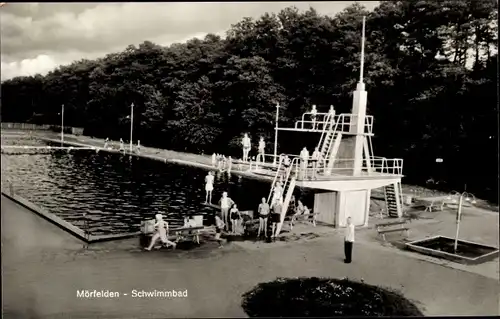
38 37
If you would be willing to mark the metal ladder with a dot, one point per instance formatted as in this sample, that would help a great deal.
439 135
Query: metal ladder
394 200
327 140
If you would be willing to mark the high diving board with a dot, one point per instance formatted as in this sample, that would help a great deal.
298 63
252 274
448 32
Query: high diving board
306 130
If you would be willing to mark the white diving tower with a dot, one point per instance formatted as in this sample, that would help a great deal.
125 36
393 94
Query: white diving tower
347 170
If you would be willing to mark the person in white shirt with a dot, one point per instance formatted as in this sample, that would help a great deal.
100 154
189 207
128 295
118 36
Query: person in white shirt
277 193
122 148
209 187
314 112
262 147
106 141
225 204
304 158
314 159
138 146
246 147
348 241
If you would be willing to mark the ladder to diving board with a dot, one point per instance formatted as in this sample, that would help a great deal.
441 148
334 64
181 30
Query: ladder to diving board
393 200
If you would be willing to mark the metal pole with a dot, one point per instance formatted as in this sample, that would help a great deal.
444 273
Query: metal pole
276 135
131 125
362 53
62 125
459 215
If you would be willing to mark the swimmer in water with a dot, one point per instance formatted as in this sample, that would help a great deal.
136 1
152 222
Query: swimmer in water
209 187
161 233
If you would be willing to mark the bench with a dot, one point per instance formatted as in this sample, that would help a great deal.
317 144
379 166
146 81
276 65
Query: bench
391 227
184 233
302 218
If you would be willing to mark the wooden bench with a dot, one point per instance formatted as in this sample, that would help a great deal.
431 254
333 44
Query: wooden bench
302 218
391 227
184 233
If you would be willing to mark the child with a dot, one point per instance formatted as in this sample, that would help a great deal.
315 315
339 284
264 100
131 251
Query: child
219 225
161 233
209 187
235 215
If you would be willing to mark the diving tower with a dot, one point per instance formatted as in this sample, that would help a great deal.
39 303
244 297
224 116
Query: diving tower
346 170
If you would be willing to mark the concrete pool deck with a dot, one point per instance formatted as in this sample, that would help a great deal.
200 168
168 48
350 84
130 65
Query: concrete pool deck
43 267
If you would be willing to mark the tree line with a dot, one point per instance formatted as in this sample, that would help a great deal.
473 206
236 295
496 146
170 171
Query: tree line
430 73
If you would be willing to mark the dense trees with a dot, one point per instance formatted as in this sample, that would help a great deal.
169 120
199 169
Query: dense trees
430 74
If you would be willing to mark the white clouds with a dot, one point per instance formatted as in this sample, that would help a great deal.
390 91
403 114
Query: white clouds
41 64
38 37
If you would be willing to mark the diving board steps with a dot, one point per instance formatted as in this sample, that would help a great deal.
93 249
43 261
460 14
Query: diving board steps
392 194
289 192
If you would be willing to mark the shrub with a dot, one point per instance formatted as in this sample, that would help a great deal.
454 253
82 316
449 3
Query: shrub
320 297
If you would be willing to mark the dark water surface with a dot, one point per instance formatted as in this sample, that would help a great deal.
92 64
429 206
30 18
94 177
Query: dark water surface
117 192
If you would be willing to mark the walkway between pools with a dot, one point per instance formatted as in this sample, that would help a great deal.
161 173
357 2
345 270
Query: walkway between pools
44 267
167 156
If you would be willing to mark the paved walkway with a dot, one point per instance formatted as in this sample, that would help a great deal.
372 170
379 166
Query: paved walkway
44 268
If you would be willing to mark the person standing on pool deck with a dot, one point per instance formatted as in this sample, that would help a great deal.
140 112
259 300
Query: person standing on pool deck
229 164
348 241
235 216
275 218
209 187
138 146
314 112
304 158
225 204
246 147
106 141
262 147
314 159
161 233
214 159
263 216
219 225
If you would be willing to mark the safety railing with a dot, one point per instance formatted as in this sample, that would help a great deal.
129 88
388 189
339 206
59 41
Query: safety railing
345 122
392 166
379 166
267 161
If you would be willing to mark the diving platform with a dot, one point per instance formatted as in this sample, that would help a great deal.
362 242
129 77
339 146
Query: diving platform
342 170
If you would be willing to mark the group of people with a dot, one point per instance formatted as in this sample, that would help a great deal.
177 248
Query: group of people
247 145
222 163
304 163
122 145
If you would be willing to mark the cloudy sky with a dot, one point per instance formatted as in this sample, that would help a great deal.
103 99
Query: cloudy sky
37 37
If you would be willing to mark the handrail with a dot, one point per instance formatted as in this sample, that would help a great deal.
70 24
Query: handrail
310 113
321 139
275 178
323 159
